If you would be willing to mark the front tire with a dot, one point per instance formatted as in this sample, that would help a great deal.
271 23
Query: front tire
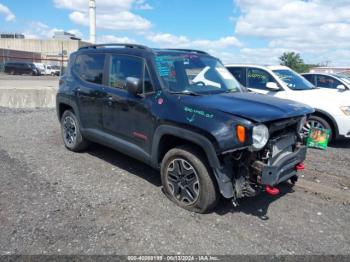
71 135
187 180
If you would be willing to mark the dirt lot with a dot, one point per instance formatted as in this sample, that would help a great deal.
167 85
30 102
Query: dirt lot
101 202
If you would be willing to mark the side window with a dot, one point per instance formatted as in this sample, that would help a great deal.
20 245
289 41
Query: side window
238 73
327 82
310 78
258 78
122 67
89 67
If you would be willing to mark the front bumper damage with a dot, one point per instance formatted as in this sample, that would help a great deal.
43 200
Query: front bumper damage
280 171
246 174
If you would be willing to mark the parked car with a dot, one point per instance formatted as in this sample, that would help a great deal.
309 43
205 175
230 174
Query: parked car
205 135
41 67
332 109
21 68
332 81
53 70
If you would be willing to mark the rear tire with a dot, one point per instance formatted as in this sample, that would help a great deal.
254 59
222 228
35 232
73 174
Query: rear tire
187 180
71 135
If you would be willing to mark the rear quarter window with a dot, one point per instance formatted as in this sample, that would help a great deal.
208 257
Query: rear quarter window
89 67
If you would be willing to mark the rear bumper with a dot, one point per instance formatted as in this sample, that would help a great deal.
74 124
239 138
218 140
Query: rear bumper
283 169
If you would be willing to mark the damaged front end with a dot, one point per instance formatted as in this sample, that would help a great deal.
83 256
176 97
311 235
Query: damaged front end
249 171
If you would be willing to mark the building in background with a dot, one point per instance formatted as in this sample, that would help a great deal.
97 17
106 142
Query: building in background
61 35
330 70
11 35
54 51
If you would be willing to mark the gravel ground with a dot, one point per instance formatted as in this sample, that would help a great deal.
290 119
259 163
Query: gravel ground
53 201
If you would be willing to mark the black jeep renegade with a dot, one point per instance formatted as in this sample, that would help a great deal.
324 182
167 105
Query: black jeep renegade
182 112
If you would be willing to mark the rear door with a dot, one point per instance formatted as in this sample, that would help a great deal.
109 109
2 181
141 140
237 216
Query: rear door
89 69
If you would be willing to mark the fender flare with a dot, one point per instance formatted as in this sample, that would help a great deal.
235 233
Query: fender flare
66 101
191 136
223 175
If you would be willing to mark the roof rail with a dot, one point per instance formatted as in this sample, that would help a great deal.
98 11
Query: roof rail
188 50
114 44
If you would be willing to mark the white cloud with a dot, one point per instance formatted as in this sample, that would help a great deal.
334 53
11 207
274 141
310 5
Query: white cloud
115 39
4 10
102 5
314 27
39 30
142 5
169 40
110 14
124 20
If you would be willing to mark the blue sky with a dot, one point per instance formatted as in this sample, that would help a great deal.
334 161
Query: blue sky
239 31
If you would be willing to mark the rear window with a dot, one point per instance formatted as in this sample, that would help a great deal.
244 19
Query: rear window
89 67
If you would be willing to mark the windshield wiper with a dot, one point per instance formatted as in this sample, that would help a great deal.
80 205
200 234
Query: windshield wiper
185 92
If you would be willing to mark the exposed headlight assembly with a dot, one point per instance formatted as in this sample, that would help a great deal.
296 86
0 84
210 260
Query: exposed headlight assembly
260 137
301 125
346 110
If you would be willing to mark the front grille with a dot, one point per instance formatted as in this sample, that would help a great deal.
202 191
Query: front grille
281 128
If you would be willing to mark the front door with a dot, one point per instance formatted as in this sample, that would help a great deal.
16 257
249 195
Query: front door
125 115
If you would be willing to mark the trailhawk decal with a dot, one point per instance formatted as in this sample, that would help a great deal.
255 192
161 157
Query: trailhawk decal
195 112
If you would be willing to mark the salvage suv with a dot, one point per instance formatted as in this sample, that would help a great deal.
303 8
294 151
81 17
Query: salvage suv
181 112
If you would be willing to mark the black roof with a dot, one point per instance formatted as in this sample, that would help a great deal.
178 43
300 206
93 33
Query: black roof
140 48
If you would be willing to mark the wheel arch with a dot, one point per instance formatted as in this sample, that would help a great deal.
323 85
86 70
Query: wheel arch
167 137
65 103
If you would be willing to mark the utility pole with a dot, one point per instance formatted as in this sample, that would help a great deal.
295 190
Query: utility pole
92 17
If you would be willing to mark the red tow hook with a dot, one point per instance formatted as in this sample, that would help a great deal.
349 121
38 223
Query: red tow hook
300 166
273 191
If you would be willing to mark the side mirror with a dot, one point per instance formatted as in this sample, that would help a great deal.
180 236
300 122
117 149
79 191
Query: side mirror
133 85
272 86
341 87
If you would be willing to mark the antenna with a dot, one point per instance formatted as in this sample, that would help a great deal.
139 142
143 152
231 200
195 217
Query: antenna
92 17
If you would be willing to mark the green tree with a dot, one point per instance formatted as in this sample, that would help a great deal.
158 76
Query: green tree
294 61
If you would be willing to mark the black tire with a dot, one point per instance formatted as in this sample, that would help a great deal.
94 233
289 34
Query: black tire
203 195
321 123
71 135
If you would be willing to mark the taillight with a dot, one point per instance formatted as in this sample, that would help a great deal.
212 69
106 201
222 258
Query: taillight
240 132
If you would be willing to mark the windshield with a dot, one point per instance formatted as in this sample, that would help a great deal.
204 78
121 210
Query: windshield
195 73
293 80
344 77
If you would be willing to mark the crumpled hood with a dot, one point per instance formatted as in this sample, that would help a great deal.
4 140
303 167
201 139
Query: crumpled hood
256 107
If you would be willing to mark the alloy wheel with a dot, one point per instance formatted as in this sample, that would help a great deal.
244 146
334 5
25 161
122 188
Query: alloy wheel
183 181
69 130
311 124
